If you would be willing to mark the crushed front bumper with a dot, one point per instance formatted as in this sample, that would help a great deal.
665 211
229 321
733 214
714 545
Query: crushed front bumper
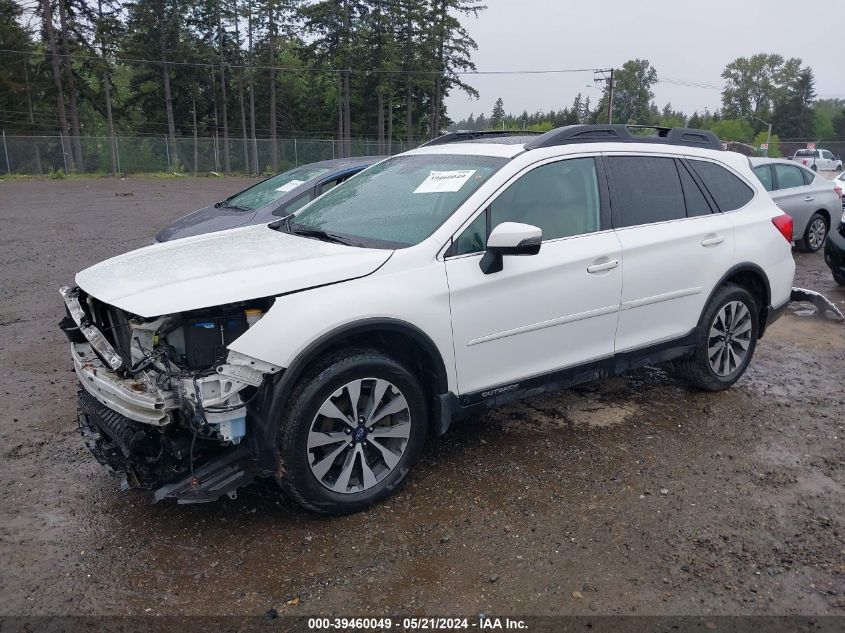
96 364
134 398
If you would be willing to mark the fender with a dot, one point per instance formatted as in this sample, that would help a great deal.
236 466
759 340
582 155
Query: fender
276 393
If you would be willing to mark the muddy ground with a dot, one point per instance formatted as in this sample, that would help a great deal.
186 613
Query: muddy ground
635 495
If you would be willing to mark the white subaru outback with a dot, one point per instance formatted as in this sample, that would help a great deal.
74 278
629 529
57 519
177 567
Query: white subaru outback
321 350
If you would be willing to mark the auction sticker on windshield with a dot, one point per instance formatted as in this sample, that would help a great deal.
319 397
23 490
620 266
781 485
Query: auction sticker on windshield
290 186
445 181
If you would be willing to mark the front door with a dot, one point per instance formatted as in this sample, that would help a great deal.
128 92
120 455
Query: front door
544 312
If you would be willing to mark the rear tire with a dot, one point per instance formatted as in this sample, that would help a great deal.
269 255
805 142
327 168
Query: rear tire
814 235
840 279
339 452
727 338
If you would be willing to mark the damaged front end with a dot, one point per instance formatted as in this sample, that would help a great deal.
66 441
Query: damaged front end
163 402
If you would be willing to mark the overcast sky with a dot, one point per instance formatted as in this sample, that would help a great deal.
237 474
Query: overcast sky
685 40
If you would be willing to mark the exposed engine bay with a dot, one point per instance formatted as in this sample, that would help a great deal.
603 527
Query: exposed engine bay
163 402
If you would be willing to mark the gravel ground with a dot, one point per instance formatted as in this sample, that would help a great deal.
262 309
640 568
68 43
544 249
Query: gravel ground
633 495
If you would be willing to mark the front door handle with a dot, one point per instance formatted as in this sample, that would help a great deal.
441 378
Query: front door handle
608 265
713 240
809 199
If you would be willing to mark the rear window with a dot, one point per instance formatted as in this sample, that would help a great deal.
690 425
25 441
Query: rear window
644 189
727 190
789 176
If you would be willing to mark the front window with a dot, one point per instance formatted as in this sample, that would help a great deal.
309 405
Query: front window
560 198
272 189
398 202
764 175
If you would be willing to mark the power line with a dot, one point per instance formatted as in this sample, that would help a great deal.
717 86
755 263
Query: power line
213 65
689 83
159 62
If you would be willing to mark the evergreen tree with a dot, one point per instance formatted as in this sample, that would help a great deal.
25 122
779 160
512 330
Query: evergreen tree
450 46
498 116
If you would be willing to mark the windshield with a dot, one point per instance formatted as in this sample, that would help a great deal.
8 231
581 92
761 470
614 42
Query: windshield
398 202
272 189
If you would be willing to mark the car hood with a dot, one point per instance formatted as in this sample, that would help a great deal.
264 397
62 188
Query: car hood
221 268
206 220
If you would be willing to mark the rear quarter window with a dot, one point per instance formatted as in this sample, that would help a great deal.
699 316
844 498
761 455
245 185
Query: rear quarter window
727 190
809 176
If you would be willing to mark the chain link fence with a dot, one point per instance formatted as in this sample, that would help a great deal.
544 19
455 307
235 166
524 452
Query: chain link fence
42 155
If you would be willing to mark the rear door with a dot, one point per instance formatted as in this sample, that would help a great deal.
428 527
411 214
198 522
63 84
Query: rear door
675 245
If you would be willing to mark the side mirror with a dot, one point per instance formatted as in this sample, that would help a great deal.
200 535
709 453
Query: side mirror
510 238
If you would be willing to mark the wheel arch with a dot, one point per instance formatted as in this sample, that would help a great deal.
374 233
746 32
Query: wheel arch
400 339
394 336
825 214
754 279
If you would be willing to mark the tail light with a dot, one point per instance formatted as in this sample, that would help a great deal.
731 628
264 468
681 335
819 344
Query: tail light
783 223
838 190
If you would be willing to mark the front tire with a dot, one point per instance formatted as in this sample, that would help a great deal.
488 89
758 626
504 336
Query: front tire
727 338
814 235
353 428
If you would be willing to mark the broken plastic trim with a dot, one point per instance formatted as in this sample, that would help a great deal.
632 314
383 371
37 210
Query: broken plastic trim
98 342
222 475
821 302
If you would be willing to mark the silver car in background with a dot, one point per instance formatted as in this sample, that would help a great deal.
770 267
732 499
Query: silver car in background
811 200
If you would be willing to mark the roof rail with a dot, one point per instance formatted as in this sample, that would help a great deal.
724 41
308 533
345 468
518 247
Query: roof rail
618 133
469 135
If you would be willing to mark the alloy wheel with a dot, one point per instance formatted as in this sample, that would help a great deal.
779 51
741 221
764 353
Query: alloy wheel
817 233
359 435
730 338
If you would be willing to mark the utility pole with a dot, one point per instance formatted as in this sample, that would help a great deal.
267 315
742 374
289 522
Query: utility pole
768 135
768 139
606 75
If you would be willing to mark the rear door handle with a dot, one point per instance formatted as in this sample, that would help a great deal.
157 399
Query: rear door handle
809 199
713 240
608 265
